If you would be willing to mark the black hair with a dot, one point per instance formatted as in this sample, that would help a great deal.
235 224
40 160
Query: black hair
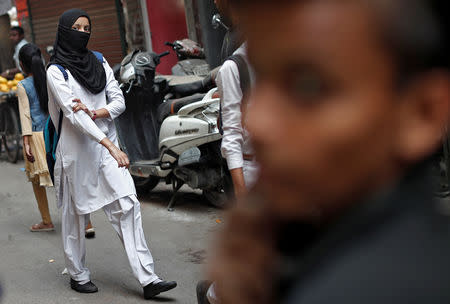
31 59
416 32
18 29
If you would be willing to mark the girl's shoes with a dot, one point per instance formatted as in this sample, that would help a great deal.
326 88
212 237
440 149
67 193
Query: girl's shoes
89 233
41 227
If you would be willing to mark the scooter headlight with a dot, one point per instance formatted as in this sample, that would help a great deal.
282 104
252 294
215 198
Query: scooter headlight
143 60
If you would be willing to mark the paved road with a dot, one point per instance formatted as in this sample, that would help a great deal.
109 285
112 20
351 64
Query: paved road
31 263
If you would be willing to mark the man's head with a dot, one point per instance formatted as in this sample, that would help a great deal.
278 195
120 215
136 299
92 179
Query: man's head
16 34
223 6
349 95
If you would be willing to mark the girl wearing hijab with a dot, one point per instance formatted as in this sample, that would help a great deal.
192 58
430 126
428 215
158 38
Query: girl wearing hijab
90 170
33 109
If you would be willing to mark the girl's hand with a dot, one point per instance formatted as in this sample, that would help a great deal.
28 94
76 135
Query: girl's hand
120 157
81 106
116 153
27 147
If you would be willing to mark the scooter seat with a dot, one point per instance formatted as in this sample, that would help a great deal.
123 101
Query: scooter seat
188 88
172 106
185 85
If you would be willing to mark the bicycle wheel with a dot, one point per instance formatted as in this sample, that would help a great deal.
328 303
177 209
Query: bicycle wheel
11 137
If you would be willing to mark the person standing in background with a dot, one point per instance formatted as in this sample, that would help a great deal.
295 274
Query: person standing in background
233 80
17 36
232 39
33 108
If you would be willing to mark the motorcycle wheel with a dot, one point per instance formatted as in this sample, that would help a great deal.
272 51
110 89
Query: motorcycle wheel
145 184
218 199
221 198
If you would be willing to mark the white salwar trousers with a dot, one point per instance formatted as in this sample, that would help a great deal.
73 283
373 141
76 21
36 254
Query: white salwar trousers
125 217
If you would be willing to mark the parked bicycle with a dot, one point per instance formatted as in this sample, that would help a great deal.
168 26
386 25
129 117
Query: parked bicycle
9 126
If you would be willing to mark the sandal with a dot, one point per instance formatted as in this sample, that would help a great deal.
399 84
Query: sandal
41 227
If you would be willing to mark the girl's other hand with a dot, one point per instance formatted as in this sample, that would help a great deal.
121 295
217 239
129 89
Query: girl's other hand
81 106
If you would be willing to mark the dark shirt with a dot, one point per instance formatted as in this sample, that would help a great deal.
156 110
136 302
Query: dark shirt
394 248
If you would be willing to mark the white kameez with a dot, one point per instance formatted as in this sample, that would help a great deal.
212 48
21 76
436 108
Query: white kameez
88 178
94 178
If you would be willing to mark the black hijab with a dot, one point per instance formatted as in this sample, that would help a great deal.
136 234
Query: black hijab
71 53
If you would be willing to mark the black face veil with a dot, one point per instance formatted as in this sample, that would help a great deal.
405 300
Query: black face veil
71 52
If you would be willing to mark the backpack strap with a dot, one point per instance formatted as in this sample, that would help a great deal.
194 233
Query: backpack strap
98 55
244 73
244 82
63 71
47 133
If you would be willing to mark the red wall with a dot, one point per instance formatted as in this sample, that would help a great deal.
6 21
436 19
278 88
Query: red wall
167 23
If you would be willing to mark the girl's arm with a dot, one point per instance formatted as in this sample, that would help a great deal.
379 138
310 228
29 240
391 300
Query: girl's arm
64 98
24 111
25 121
116 104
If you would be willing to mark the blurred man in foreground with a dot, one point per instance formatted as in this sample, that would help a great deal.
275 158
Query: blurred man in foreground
350 101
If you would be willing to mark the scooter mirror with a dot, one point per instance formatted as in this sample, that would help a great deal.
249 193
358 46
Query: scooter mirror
217 22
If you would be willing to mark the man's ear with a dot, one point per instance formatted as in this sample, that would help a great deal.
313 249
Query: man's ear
423 116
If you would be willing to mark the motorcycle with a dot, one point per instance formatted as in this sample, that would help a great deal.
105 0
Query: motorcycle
169 129
191 58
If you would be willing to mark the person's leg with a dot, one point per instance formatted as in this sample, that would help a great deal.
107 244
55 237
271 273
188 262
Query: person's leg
42 202
41 198
72 232
125 216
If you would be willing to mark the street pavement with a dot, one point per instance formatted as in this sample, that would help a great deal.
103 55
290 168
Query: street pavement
31 264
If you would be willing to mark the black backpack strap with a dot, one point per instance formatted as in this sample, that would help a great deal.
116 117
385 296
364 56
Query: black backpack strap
61 114
244 73
244 81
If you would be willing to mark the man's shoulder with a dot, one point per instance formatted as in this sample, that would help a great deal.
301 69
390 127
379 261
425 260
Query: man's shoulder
21 43
228 71
402 259
229 64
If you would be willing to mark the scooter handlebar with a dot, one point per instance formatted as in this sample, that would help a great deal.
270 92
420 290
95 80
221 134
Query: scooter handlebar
163 54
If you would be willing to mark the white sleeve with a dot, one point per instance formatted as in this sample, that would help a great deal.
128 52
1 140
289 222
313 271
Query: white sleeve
116 101
228 84
63 96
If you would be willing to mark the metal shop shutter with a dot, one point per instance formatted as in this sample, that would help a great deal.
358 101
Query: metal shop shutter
105 36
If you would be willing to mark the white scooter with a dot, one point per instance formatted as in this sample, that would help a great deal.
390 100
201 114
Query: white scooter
188 148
